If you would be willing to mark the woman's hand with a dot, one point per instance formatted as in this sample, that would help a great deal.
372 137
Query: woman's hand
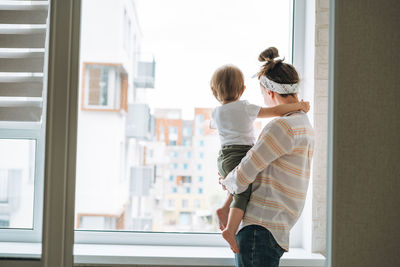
305 106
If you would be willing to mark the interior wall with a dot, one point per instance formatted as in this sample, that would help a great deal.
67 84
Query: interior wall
366 128
319 179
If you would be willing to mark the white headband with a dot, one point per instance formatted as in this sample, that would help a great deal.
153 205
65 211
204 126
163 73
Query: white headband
279 88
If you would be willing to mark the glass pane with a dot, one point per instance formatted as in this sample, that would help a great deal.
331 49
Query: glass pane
153 168
17 171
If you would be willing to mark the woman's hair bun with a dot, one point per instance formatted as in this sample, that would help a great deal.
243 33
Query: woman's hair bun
268 54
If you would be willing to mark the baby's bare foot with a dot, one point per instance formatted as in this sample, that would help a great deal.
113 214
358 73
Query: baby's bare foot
231 239
222 217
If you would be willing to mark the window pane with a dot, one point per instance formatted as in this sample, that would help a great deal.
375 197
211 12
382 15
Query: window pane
120 184
17 170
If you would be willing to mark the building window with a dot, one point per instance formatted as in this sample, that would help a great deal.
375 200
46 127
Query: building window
201 143
200 190
200 131
200 178
171 178
174 190
185 218
199 167
185 166
201 155
175 154
188 190
200 118
175 166
185 203
173 130
189 155
171 203
105 87
197 203
172 142
184 180
187 131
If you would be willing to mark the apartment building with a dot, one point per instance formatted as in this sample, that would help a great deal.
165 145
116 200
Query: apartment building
110 44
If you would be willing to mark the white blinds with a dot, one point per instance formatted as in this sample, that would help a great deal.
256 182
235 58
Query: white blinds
23 29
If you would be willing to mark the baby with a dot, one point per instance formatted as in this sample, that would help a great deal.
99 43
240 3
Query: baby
234 120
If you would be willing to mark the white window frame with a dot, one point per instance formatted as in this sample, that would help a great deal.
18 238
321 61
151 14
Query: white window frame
297 40
37 134
114 87
32 131
98 237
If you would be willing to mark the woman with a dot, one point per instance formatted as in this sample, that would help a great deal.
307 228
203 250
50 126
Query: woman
278 166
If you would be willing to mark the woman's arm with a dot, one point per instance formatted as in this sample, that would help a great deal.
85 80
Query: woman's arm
275 141
280 110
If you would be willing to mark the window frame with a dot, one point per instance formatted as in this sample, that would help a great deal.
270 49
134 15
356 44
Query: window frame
83 236
296 40
37 134
120 95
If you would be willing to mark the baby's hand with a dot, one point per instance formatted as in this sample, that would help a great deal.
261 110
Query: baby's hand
220 179
304 106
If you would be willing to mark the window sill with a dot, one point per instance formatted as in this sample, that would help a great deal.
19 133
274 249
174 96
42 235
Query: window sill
154 255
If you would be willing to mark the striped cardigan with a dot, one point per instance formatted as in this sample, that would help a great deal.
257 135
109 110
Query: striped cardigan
278 166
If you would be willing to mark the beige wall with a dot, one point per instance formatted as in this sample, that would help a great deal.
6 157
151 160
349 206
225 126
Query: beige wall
320 125
366 141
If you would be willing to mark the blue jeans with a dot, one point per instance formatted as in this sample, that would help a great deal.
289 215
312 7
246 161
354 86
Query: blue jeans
257 248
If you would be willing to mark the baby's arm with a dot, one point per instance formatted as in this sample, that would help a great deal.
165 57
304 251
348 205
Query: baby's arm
280 110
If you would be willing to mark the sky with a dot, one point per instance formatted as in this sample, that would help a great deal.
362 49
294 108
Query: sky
189 39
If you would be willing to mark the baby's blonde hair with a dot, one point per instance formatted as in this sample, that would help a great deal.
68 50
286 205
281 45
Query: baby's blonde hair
227 83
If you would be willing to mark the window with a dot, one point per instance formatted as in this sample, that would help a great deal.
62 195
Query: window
200 118
187 179
197 203
23 102
171 203
172 142
179 139
185 218
108 147
185 203
187 131
105 87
